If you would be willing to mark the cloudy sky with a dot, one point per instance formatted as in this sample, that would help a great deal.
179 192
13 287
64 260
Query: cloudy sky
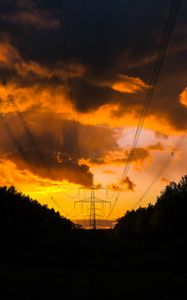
73 79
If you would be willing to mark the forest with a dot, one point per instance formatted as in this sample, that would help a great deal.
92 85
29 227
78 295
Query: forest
165 219
54 257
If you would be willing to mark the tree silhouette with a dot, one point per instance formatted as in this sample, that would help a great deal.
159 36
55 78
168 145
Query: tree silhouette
167 218
23 219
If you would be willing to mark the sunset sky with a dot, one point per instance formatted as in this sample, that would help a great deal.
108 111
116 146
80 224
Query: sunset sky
73 80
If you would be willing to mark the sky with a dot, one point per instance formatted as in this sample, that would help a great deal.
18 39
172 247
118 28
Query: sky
73 79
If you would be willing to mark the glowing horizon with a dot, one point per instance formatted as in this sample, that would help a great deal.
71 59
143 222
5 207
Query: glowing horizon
69 122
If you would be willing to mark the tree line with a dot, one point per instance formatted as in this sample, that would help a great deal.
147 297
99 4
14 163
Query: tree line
167 218
24 219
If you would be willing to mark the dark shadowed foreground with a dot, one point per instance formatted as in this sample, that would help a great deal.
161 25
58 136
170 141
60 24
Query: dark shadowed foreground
44 256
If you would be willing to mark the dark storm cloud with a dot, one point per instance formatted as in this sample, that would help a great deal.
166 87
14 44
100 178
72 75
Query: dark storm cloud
43 160
111 39
156 147
125 184
56 156
89 96
66 170
60 137
112 30
139 155
160 135
33 28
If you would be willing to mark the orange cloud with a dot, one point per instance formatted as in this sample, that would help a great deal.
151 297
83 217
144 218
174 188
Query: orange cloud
11 58
128 184
120 157
183 97
114 187
124 185
158 146
161 135
23 178
126 84
33 84
33 17
8 54
47 191
110 172
68 170
139 155
11 175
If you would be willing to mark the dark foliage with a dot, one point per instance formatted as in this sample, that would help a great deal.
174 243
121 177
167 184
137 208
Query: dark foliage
167 218
23 220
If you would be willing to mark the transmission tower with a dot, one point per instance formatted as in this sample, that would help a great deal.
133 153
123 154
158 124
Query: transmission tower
93 201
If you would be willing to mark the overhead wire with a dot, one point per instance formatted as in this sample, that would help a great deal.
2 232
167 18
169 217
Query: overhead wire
22 120
19 147
174 8
30 135
14 141
68 71
161 170
38 152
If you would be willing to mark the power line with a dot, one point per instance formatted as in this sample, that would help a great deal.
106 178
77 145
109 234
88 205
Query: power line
158 65
68 71
33 142
92 201
59 206
14 141
19 147
22 120
154 79
163 167
29 134
11 134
